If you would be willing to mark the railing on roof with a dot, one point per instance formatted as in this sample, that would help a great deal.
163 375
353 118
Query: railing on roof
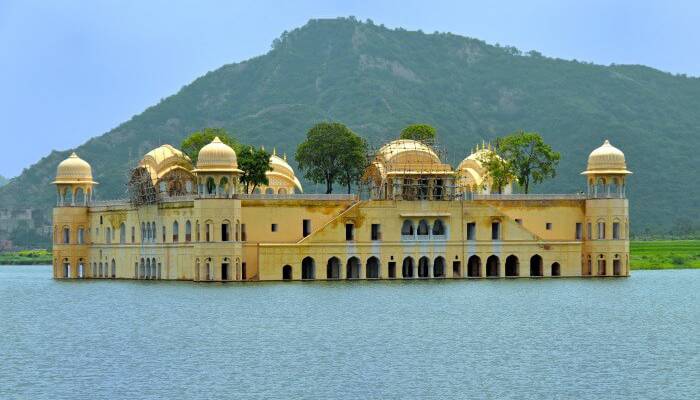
262 196
533 196
109 203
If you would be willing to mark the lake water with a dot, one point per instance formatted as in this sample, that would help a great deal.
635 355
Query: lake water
635 338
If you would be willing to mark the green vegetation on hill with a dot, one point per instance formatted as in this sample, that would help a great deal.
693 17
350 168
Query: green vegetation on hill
377 81
665 254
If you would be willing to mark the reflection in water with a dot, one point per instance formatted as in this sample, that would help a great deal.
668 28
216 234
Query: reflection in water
555 338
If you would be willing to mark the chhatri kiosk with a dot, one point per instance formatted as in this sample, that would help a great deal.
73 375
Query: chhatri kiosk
422 220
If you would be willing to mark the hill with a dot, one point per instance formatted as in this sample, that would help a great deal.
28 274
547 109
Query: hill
3 181
377 80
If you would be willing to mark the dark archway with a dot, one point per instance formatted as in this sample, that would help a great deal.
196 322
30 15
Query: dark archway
353 268
493 266
617 267
372 268
556 269
536 265
407 228
439 267
407 267
423 228
333 268
512 266
308 268
287 272
423 267
474 267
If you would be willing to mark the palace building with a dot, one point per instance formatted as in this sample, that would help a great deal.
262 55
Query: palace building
419 219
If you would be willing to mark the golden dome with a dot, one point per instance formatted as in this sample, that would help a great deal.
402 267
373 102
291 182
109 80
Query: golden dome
281 168
74 170
406 151
606 159
217 157
164 159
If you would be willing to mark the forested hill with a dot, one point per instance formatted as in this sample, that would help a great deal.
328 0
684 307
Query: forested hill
377 80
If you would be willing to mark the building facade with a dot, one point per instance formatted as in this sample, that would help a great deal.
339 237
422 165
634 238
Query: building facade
421 220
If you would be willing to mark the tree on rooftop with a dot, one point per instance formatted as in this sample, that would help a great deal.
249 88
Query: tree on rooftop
531 159
254 163
331 153
420 132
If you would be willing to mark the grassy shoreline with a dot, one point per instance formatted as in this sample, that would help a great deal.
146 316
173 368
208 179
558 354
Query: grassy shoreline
648 254
26 257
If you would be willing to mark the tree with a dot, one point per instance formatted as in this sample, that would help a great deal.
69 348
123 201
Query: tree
353 161
531 160
420 132
193 143
254 163
329 151
498 171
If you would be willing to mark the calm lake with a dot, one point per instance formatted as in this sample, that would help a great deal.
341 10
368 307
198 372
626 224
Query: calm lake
634 338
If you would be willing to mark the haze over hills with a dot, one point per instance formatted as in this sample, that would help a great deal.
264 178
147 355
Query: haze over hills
377 80
3 180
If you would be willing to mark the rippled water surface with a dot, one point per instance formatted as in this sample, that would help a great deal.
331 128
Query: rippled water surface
542 338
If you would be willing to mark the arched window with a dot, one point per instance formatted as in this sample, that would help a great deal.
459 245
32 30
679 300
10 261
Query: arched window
438 228
333 268
188 231
225 231
209 273
439 267
407 267
353 268
536 265
153 231
308 268
602 265
287 272
223 187
207 231
66 235
407 228
142 269
493 266
238 229
512 266
423 267
114 269
210 186
196 227
176 231
269 191
143 232
423 228
122 233
81 235
108 235
474 267
556 269
282 191
372 269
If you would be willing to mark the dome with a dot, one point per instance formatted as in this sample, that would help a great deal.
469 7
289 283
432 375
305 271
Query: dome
606 159
74 170
164 159
281 168
406 151
217 157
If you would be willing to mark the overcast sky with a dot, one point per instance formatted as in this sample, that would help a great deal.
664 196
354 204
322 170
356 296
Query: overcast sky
72 70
